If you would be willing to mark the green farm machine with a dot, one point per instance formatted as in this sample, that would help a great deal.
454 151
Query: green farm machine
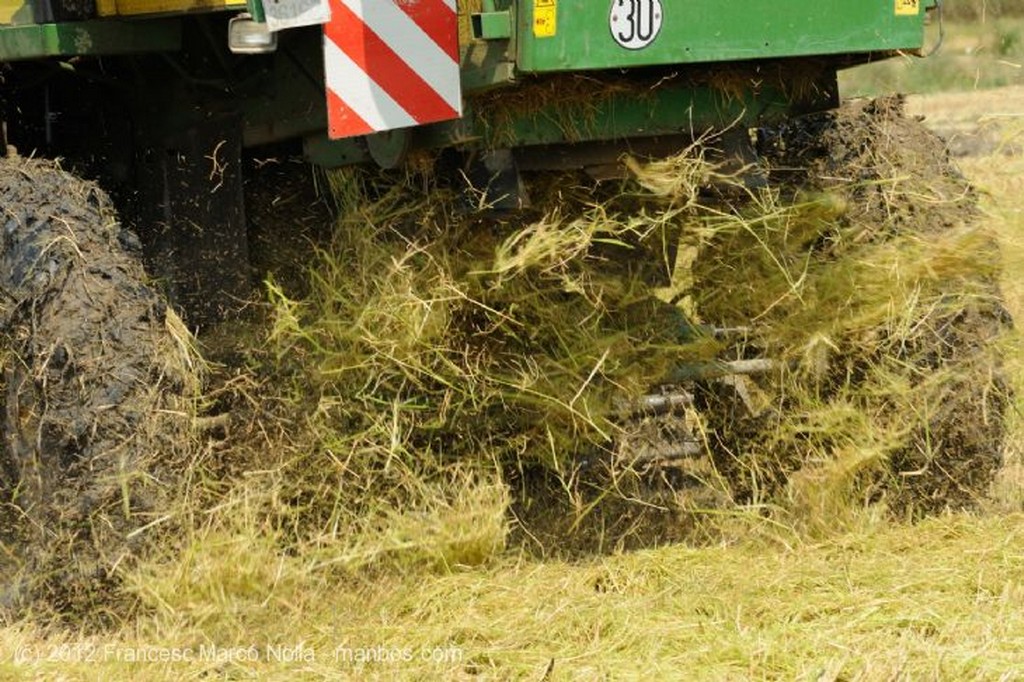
160 96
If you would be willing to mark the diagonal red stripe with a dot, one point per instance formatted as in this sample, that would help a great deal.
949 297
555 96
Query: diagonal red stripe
341 120
385 67
437 20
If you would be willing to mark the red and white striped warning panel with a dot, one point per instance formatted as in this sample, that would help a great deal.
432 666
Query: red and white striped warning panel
391 64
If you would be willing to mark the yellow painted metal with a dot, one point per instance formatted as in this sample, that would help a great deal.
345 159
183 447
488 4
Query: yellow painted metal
10 9
111 8
465 8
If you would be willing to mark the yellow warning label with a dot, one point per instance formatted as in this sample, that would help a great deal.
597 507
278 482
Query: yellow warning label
545 14
906 8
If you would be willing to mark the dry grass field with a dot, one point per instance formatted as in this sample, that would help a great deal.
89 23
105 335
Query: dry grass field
435 594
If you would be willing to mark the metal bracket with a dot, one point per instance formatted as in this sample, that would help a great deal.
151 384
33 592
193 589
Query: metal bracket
491 25
107 37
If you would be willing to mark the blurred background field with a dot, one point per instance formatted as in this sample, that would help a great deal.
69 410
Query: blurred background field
980 46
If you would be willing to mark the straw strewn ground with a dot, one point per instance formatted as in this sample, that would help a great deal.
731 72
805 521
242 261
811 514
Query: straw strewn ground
940 600
416 581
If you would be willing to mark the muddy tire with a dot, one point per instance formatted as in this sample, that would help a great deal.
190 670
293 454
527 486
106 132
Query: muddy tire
97 388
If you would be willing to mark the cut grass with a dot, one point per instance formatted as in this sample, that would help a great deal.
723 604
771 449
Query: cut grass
431 336
421 570
409 563
1000 178
937 600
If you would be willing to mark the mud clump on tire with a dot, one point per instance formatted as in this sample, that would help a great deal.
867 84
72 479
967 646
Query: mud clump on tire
890 328
950 459
98 386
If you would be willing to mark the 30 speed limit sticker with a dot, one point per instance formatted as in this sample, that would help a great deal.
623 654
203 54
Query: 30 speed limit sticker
635 23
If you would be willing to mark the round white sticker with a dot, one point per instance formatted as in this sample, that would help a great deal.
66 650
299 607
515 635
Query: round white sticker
635 23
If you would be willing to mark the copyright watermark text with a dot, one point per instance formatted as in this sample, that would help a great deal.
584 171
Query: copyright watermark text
342 655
